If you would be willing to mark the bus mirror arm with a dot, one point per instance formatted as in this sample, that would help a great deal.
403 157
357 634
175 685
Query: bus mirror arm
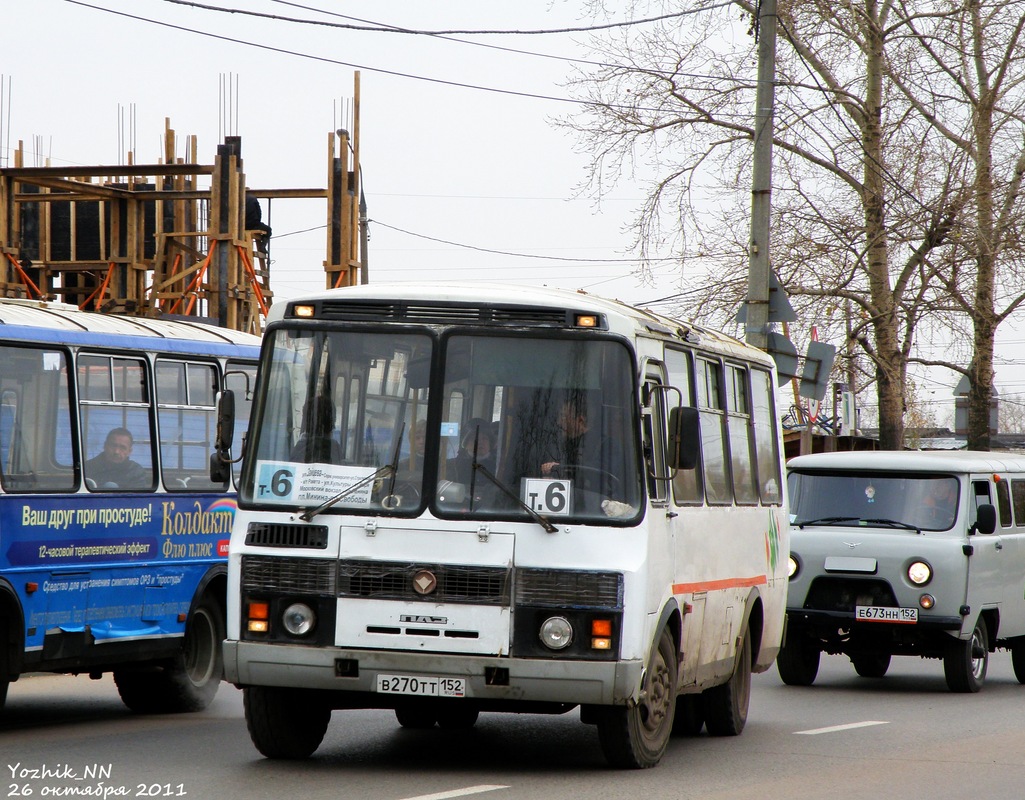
540 520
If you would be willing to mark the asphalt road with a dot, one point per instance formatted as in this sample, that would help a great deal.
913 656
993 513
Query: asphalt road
903 736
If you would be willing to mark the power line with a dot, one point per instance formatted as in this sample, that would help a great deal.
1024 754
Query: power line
377 70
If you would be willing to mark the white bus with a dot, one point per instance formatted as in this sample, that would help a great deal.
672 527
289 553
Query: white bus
458 499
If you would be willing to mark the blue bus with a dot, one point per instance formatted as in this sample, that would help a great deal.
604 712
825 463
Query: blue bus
113 535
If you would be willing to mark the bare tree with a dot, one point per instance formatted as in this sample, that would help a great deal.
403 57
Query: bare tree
874 182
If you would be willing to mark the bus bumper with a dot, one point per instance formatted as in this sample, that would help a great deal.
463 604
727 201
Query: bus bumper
487 678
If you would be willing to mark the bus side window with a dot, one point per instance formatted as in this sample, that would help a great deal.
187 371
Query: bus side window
687 489
114 395
187 419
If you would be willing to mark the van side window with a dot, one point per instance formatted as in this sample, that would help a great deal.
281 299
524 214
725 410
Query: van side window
1003 503
1018 501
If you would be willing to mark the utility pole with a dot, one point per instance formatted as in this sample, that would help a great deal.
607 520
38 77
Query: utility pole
757 326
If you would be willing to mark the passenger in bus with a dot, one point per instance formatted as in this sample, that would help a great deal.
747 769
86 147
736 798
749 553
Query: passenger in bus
113 468
317 442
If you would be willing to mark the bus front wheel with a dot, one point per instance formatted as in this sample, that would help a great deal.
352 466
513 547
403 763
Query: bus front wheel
637 737
285 723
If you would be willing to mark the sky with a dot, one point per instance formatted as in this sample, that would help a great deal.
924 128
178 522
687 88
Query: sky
460 182
465 174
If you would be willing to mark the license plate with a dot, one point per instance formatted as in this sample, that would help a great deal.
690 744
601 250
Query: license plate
422 685
886 614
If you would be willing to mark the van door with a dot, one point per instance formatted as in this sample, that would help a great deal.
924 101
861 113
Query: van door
987 564
1012 611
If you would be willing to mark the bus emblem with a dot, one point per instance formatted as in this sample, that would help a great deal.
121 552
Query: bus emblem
424 582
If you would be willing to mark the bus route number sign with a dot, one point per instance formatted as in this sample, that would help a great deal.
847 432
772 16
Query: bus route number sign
552 498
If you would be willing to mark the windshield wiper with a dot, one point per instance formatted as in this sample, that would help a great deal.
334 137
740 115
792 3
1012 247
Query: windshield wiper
826 521
892 523
540 520
310 513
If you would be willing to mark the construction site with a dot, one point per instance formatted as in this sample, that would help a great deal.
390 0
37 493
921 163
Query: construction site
173 238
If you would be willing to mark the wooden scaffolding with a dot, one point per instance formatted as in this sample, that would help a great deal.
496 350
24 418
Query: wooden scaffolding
165 239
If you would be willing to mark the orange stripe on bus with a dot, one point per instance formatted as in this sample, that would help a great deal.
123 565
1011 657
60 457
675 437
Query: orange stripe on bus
725 583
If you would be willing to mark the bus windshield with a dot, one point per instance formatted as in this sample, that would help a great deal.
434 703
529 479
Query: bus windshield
469 426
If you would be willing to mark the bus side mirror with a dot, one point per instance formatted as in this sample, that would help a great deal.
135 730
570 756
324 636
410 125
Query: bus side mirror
684 437
220 459
985 519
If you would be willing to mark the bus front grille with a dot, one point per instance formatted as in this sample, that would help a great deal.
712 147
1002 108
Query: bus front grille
398 581
299 575
551 587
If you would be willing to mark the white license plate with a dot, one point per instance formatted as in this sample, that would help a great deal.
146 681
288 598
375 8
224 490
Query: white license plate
885 614
422 685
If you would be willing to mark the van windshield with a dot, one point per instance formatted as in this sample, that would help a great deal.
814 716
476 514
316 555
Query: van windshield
874 499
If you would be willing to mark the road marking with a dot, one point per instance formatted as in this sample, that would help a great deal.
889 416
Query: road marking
835 728
484 787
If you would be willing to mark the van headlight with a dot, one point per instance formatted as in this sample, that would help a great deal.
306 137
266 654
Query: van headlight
919 573
793 566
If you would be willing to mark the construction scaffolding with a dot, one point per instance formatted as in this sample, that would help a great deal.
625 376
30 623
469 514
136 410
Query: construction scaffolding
166 239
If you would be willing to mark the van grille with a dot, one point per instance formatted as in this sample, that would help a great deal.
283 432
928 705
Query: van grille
843 594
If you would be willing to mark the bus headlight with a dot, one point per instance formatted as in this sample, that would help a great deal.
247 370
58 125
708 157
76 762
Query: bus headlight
556 633
793 566
919 573
298 619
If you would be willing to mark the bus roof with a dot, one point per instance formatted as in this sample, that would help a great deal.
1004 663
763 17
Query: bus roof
33 320
623 318
960 461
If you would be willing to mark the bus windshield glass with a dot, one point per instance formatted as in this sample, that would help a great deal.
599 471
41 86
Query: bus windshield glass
873 500
468 426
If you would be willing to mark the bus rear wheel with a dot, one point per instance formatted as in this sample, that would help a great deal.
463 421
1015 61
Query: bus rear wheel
285 723
726 705
190 680
637 737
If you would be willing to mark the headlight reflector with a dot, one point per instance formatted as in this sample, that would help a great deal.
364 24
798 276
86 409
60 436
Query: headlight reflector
919 573
298 619
556 633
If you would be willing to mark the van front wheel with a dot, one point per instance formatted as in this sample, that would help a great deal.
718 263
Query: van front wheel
966 661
